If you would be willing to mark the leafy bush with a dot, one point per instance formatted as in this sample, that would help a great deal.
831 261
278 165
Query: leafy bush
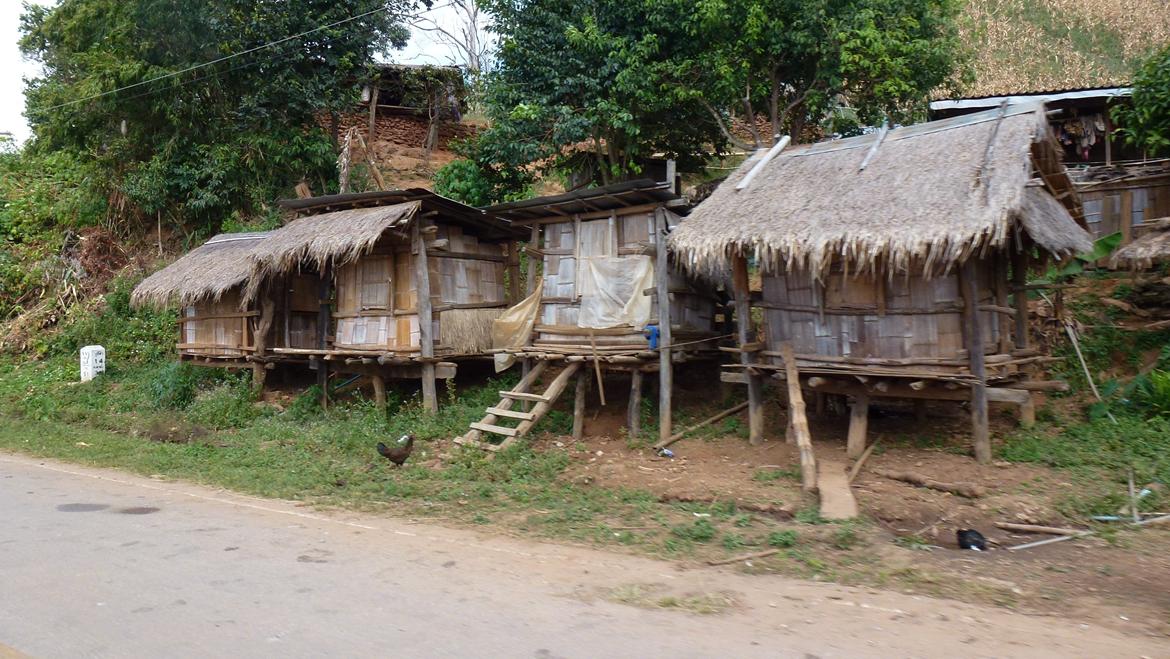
228 405
1152 392
177 384
129 335
700 531
786 538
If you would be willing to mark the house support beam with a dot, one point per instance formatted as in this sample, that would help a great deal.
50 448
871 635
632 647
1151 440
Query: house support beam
665 339
743 321
425 322
973 334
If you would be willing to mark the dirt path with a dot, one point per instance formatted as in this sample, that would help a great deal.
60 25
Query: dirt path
107 563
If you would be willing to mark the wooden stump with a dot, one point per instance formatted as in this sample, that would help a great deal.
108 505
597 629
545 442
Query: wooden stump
579 404
379 392
634 412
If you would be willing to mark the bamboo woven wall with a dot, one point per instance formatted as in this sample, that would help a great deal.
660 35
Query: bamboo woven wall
1122 206
216 328
922 317
377 295
298 327
619 236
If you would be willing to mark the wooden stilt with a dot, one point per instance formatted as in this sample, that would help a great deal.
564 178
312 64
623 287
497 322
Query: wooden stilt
323 321
579 404
1020 296
858 425
634 412
1000 278
425 324
379 391
743 318
973 335
665 338
260 339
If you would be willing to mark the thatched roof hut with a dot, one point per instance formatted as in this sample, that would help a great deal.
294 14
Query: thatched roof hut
205 273
921 196
1152 247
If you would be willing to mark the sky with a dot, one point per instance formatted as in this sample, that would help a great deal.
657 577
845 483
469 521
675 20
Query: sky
422 49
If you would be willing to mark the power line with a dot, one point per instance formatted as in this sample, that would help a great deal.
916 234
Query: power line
214 61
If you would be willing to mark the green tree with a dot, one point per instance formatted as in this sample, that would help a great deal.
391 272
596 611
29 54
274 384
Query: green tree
589 83
814 62
200 144
1146 123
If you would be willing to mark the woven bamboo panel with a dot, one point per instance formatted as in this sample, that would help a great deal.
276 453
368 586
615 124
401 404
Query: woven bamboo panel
845 317
219 337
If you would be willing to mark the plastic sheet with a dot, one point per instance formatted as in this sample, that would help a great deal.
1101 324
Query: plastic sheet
513 328
612 291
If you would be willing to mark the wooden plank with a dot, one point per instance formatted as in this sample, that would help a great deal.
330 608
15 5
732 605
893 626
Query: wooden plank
743 319
525 383
799 422
554 391
519 395
973 336
495 430
665 336
425 321
511 414
837 502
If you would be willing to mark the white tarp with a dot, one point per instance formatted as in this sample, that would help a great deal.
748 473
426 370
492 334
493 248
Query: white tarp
612 291
513 328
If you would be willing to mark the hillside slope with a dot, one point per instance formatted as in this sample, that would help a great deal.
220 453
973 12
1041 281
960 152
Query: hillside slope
1037 45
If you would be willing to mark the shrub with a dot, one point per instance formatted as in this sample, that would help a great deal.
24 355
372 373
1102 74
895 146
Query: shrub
786 538
700 531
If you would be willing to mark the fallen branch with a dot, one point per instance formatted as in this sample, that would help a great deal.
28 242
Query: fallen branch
745 557
969 490
1032 528
856 469
1083 534
706 422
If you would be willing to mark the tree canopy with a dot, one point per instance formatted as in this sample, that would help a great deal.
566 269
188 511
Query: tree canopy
1146 123
608 83
199 144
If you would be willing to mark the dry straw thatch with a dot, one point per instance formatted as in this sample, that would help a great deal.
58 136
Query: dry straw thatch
467 331
1151 248
204 273
930 196
333 239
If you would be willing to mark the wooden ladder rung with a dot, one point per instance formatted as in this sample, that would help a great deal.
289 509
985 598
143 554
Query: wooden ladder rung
495 430
511 414
516 395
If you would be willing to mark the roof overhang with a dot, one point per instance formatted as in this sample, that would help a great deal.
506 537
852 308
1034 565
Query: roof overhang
613 198
989 102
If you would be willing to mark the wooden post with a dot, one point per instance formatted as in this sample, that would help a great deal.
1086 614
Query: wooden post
665 337
379 392
973 334
634 411
324 293
513 270
425 325
1020 296
858 425
530 288
743 319
579 404
373 131
1001 300
260 340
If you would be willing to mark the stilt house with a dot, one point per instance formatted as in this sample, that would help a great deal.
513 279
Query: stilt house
599 258
216 327
894 264
408 282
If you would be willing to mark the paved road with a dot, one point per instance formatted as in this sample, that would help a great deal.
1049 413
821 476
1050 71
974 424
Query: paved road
104 564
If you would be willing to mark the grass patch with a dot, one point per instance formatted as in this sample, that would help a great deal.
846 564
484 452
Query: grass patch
649 596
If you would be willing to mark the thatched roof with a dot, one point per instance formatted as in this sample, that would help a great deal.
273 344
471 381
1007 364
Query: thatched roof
333 238
929 196
1152 247
204 273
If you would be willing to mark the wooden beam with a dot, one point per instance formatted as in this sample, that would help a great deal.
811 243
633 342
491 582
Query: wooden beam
973 335
1019 259
665 337
579 404
372 132
858 425
324 293
379 392
634 411
743 318
425 321
799 422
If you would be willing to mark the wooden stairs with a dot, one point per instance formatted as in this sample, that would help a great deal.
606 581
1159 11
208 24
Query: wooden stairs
491 422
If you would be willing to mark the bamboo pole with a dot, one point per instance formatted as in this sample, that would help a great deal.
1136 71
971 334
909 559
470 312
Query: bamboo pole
705 422
799 422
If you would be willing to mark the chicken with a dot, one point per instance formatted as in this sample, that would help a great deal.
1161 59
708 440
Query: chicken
401 450
971 539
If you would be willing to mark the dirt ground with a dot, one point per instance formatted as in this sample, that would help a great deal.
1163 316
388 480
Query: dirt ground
1123 581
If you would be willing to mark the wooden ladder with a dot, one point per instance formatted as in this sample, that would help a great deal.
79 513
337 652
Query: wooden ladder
491 423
